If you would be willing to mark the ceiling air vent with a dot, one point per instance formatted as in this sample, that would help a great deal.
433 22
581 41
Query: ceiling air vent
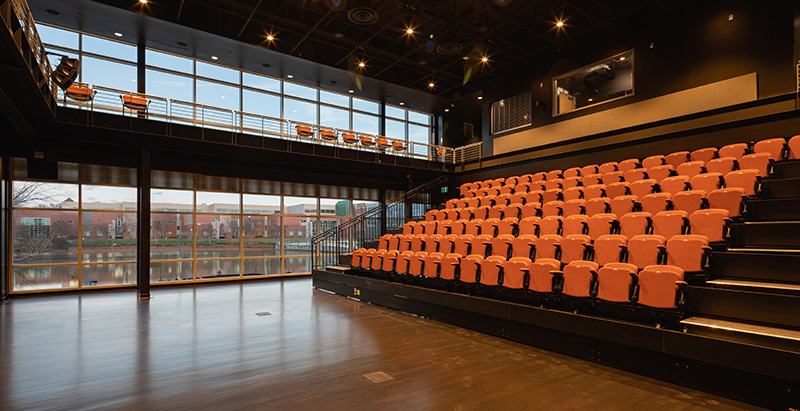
449 49
362 15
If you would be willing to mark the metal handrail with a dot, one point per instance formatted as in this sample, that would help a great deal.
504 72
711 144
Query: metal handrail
28 26
357 227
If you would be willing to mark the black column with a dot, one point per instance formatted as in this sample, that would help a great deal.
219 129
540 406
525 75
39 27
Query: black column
382 200
143 219
409 199
140 67
5 226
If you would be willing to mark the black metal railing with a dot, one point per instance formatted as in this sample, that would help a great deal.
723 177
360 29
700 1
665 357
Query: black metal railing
329 246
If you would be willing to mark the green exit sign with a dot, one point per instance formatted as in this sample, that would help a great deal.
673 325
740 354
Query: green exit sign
444 189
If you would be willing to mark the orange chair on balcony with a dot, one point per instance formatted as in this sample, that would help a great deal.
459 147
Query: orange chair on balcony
79 92
367 141
304 131
134 102
349 138
383 143
398 145
327 135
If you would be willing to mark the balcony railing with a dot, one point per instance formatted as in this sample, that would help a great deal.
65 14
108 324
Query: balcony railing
171 111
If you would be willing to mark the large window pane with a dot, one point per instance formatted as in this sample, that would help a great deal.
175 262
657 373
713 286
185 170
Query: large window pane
326 224
171 236
216 72
395 112
361 207
261 82
217 236
296 90
265 266
262 236
171 271
169 86
295 265
45 278
108 274
300 205
296 110
108 74
419 118
396 129
109 48
108 198
297 235
261 103
334 117
335 99
169 61
419 134
209 270
171 200
57 37
108 236
332 206
363 123
261 204
217 95
37 194
45 237
366 105
214 202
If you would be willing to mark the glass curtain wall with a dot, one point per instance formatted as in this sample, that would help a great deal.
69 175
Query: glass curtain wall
112 63
80 232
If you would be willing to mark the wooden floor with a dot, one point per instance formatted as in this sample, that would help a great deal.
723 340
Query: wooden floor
205 348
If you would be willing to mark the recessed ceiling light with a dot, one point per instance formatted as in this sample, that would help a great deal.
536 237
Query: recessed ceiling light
53 12
447 110
265 65
289 76
118 34
182 44
409 31
361 64
480 97
214 58
431 84
465 58
560 24
143 1
338 35
402 104
622 58
591 99
351 91
484 59
270 37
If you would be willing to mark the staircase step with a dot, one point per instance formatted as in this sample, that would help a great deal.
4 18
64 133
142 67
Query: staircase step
773 209
766 234
757 264
775 337
758 286
787 169
780 188
370 244
739 304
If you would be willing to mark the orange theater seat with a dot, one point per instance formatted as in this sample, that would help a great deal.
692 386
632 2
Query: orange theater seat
304 131
398 145
134 102
349 138
79 93
383 143
328 135
366 140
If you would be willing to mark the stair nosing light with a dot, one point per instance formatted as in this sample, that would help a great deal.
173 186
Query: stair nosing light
757 284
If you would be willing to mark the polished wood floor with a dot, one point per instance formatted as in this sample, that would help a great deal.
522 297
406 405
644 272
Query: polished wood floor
205 348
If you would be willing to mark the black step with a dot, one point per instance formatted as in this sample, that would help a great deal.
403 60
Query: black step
787 169
768 234
780 188
756 286
744 332
765 265
370 244
778 209
742 305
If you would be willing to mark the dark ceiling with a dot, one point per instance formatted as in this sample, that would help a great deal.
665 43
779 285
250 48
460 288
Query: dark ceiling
342 33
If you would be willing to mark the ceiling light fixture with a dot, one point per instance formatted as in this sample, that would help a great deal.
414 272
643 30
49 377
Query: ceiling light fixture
431 84
622 58
118 34
484 59
143 1
362 64
214 58
480 97
289 76
351 91
270 37
447 110
402 104
410 30
560 24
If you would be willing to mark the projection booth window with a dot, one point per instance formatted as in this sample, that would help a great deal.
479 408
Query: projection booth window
596 83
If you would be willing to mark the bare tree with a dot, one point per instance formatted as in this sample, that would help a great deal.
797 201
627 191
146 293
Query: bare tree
36 194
